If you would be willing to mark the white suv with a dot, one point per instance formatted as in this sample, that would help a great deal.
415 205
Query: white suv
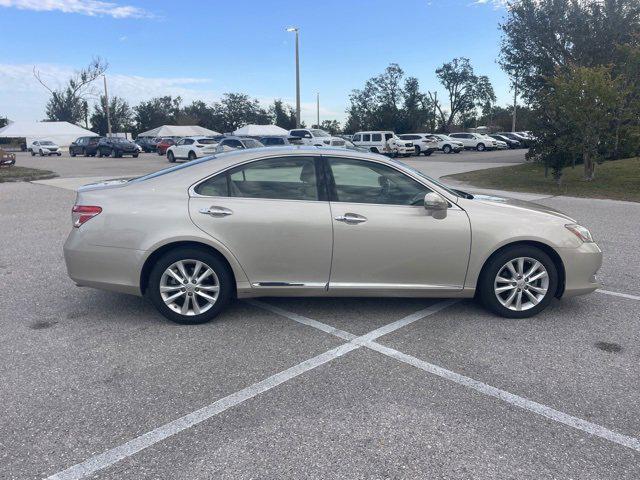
190 148
475 141
44 147
385 142
423 143
317 137
448 144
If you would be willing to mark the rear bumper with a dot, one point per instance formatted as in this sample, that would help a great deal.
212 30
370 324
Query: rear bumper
107 268
581 265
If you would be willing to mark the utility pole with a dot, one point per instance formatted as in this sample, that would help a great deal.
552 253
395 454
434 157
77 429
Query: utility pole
297 31
106 100
318 109
435 107
515 103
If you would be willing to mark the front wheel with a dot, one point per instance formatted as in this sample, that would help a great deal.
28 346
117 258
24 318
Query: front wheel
480 147
446 149
190 286
135 155
417 148
41 153
519 282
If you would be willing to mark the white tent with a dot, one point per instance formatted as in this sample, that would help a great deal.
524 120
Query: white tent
62 133
260 131
177 131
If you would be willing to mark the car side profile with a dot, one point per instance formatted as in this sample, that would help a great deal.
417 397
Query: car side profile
229 144
316 137
447 144
85 146
423 143
475 141
304 221
190 148
384 142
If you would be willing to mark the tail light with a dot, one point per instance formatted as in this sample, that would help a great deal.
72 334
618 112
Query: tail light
83 213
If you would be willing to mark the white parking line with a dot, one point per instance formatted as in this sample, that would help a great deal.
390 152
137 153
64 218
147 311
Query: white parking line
116 454
513 399
617 294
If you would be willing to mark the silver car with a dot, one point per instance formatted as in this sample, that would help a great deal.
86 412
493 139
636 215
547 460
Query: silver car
321 222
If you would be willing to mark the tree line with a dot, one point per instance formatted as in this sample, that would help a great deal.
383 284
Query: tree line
577 65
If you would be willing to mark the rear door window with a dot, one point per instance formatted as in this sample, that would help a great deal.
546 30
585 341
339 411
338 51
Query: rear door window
376 137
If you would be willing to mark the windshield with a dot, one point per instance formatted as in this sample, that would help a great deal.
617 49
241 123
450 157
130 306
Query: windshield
453 192
319 133
164 171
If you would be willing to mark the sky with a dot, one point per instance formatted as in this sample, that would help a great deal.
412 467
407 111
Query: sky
202 49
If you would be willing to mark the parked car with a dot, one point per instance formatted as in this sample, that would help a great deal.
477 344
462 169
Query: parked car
148 144
229 144
510 142
317 137
85 146
500 145
385 142
44 147
423 143
524 141
287 221
447 144
164 144
280 140
116 147
7 159
475 141
190 148
349 145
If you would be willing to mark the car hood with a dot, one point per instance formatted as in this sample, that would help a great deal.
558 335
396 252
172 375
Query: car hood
519 205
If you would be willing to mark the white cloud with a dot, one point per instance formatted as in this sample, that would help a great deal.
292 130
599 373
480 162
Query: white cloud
23 98
83 7
494 3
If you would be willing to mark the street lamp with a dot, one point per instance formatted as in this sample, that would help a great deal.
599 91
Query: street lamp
296 29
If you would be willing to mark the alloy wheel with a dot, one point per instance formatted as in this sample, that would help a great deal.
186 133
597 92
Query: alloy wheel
189 287
521 283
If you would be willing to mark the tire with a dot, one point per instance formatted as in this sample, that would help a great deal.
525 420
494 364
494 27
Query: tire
417 148
446 149
112 153
84 152
222 277
497 264
374 150
480 147
41 153
72 152
33 154
191 156
135 155
457 151
427 153
171 157
159 153
99 153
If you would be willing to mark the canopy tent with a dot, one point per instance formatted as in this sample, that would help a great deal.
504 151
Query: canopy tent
62 133
260 131
177 131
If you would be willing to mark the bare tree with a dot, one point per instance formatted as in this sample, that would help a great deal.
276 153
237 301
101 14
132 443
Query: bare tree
67 103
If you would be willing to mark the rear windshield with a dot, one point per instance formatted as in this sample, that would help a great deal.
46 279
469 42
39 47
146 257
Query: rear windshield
175 168
207 141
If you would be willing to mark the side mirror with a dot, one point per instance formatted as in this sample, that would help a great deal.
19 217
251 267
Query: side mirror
434 202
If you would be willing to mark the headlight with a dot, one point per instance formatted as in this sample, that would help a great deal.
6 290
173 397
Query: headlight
581 232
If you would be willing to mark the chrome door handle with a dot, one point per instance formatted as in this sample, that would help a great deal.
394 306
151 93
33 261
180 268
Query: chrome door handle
216 211
350 218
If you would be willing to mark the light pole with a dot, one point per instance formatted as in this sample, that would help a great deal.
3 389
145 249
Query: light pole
106 102
318 109
297 31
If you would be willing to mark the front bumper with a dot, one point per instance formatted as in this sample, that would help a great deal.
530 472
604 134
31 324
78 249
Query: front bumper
581 265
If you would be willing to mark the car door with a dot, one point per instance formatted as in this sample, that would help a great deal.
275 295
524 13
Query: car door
272 216
383 236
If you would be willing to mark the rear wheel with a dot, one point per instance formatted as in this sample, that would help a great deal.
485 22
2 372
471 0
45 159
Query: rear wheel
190 286
191 156
135 155
171 157
519 282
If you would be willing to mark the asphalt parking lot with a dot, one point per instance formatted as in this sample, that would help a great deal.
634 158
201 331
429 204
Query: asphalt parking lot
98 385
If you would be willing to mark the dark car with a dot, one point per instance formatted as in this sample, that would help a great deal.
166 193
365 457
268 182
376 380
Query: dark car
117 147
163 144
278 141
85 146
525 142
147 144
509 141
